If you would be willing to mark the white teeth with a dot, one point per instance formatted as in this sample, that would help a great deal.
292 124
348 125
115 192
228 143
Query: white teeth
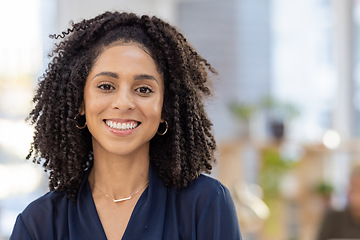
122 126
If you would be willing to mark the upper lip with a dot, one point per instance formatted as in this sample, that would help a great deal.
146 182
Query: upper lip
120 120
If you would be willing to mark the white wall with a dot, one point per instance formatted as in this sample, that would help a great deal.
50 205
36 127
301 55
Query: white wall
70 10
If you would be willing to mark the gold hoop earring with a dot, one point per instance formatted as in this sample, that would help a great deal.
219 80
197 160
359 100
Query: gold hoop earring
81 127
165 131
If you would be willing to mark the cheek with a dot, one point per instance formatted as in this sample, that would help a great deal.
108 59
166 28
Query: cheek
153 108
90 106
93 102
158 107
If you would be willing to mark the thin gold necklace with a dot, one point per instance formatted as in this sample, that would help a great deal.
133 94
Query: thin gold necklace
121 199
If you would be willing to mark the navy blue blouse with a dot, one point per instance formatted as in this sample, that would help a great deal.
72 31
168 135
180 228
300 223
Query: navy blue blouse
204 210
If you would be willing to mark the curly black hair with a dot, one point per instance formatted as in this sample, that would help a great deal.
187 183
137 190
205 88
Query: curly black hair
65 151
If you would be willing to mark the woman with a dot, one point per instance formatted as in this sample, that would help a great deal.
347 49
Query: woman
121 128
344 223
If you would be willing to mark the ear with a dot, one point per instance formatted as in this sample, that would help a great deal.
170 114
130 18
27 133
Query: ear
82 108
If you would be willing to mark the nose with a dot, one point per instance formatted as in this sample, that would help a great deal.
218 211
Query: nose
124 99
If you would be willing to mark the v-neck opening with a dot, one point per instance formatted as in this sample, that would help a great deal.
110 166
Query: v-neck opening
138 204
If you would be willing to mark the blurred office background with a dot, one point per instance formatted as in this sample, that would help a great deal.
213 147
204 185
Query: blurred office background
286 111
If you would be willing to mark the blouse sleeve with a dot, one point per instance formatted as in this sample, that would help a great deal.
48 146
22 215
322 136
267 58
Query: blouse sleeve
218 218
20 232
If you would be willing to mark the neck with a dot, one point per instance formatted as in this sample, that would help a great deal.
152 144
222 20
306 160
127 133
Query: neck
118 177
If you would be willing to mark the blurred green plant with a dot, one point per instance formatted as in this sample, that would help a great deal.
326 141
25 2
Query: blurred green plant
274 107
242 111
278 109
324 188
274 166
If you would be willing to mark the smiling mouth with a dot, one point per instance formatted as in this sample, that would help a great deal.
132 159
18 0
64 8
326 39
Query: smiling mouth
122 126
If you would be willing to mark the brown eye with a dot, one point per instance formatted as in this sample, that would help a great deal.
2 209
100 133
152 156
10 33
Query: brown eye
144 90
106 87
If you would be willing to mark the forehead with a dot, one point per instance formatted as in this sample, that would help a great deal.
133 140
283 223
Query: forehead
123 42
125 61
126 46
120 54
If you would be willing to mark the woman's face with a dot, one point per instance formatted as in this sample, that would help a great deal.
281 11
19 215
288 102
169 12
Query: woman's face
123 100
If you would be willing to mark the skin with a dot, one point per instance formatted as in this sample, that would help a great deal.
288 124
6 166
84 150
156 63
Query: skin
354 197
124 86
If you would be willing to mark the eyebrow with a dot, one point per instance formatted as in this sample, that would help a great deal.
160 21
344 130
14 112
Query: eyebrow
145 76
116 76
107 74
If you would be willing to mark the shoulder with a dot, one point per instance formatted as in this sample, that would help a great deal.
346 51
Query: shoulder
205 190
207 204
205 185
40 217
45 206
